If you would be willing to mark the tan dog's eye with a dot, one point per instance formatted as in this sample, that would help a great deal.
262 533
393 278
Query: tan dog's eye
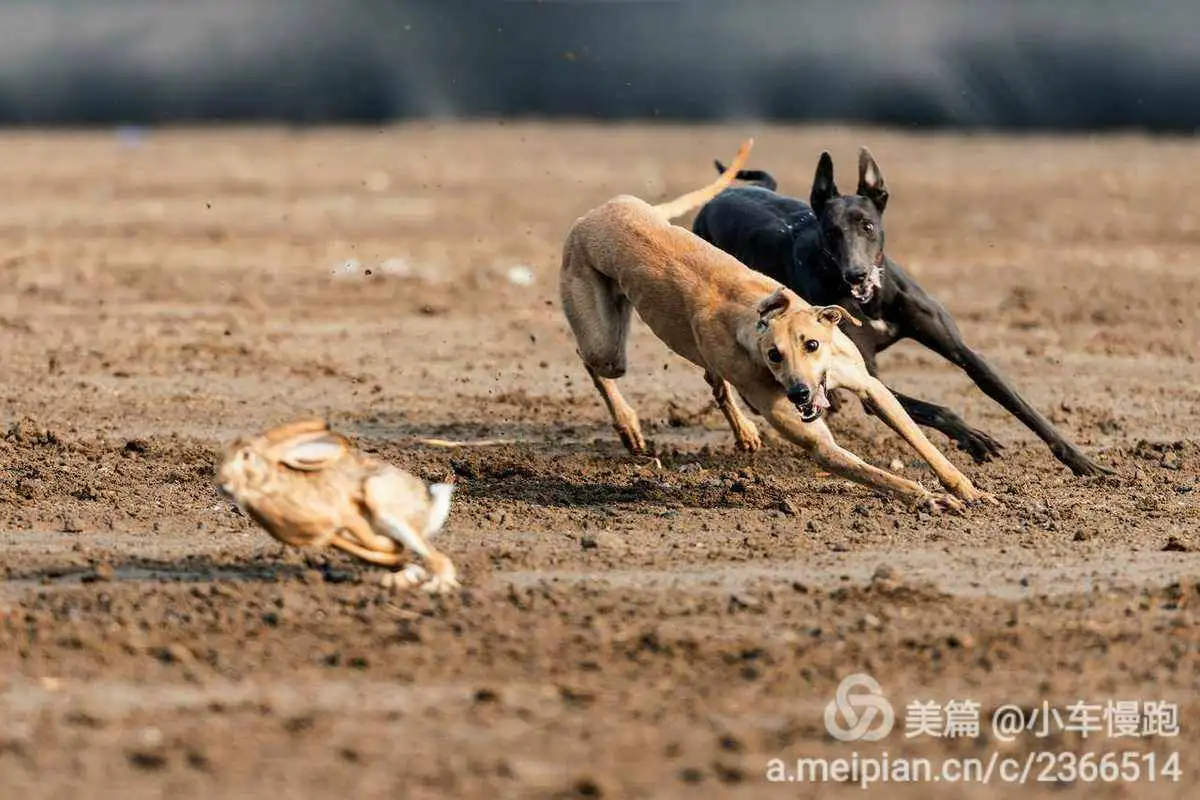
775 356
811 346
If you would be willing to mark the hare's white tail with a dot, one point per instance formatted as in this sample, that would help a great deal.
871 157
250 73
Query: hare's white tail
441 494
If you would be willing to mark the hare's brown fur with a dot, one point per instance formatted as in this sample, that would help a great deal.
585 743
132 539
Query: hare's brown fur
307 487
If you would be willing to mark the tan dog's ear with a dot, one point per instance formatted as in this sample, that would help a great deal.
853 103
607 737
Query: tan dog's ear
833 315
775 303
310 455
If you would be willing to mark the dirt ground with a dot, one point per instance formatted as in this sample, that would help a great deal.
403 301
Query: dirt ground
624 631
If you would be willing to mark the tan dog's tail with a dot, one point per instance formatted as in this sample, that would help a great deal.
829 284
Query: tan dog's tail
685 203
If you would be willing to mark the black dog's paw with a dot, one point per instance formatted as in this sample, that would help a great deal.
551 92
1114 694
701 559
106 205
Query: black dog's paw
1080 464
981 447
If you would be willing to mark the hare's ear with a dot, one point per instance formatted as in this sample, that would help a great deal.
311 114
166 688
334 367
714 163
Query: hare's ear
314 454
280 434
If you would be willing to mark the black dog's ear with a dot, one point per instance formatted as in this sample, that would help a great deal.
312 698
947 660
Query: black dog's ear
870 180
823 188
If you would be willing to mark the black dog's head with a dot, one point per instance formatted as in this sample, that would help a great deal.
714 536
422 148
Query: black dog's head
851 226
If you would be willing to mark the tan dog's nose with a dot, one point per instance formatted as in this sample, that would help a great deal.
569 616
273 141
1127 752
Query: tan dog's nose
799 394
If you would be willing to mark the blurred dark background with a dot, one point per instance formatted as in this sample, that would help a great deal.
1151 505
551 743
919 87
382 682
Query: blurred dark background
1004 64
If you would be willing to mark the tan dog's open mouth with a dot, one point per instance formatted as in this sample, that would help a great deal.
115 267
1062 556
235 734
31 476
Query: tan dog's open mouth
812 411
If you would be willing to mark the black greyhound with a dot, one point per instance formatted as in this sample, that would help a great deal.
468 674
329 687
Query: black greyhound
831 251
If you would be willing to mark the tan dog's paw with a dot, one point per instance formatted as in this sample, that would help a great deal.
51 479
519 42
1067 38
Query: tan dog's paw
650 462
633 440
750 440
986 497
937 503
974 495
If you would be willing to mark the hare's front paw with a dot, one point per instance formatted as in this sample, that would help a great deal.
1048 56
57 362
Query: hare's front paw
405 578
441 584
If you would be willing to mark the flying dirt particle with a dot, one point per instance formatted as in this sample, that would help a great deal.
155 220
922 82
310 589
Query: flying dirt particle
744 602
603 540
730 743
884 572
587 787
147 759
520 275
486 695
101 573
963 641
27 430
1173 545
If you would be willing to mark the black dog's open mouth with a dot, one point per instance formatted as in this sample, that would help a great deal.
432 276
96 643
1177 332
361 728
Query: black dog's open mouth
812 411
865 289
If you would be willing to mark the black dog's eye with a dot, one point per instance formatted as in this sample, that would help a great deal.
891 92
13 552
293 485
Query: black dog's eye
868 226
775 355
811 346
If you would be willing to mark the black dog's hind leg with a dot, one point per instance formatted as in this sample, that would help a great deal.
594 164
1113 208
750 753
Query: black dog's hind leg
932 326
975 443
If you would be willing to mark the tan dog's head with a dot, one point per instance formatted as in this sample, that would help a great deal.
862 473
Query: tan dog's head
793 341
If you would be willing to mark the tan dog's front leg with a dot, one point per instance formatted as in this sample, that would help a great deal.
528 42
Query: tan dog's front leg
624 418
816 438
894 415
744 430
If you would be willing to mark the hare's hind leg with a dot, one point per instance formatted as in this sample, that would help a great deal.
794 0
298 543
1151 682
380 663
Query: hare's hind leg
599 316
383 552
380 496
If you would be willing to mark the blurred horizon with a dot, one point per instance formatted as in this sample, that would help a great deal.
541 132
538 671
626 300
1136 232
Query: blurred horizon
1027 65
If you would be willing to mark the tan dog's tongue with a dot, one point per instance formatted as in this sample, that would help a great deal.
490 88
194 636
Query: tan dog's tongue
820 400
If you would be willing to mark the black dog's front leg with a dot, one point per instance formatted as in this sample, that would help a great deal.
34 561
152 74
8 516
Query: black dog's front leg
932 326
975 443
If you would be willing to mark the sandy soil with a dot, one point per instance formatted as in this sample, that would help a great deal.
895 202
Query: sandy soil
625 631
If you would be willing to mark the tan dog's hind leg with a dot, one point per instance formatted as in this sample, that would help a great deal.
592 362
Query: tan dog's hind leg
894 415
624 418
599 317
816 438
744 430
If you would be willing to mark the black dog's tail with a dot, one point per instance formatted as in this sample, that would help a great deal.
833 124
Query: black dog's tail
753 176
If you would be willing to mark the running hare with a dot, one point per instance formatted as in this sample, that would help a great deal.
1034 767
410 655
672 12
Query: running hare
308 488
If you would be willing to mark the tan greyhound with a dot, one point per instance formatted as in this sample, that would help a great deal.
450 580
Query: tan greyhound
741 327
